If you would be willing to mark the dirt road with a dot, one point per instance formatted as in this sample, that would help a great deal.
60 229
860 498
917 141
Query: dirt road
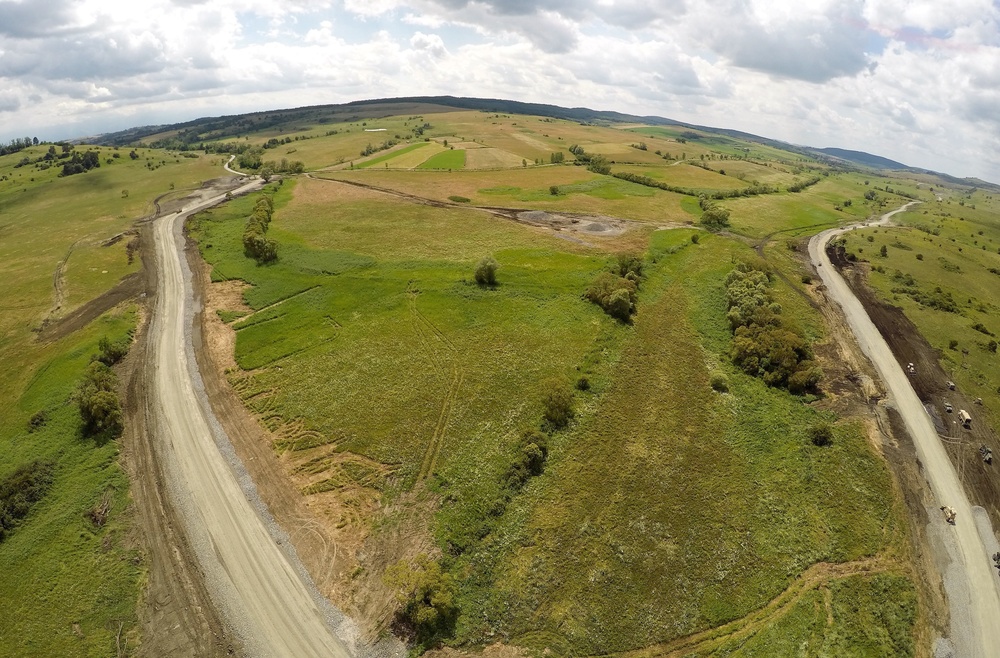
253 577
964 550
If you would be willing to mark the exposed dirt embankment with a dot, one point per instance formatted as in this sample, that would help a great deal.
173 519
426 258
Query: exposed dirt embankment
981 480
177 616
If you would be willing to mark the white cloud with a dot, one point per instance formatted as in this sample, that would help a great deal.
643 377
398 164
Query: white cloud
913 80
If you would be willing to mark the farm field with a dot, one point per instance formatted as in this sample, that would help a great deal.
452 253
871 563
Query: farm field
567 480
71 584
390 380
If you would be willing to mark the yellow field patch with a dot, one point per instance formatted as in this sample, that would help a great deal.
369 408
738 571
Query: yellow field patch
490 158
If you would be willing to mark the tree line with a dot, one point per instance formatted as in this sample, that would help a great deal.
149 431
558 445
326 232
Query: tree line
256 244
764 344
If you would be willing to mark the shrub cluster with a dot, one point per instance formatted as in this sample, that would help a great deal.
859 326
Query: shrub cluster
616 291
256 245
763 345
801 185
20 490
426 596
714 217
100 408
80 164
111 353
938 299
615 294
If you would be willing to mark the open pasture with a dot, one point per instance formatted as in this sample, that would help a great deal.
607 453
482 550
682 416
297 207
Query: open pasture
68 582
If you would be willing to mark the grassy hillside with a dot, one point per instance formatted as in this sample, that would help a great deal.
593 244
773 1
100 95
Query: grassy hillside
71 583
663 508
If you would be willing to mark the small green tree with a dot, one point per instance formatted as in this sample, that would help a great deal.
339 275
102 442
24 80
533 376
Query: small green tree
715 218
99 406
425 594
486 272
883 252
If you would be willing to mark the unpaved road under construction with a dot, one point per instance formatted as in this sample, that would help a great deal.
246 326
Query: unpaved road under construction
250 571
971 583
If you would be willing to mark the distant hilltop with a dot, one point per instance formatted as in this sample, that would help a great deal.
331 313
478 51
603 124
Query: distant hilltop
217 127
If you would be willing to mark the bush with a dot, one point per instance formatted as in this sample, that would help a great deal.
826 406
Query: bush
557 403
554 190
486 272
806 279
529 462
821 433
38 420
20 490
952 344
720 382
715 218
459 199
629 264
583 384
426 595
615 294
111 353
694 238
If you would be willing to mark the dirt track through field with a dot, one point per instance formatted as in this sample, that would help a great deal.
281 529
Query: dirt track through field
251 573
964 549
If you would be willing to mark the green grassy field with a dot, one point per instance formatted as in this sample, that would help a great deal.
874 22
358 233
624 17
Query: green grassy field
69 586
664 509
945 249
452 159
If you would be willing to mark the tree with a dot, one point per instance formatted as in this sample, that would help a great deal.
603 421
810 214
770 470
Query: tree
99 406
715 218
557 158
611 293
599 165
884 252
425 594
266 174
486 272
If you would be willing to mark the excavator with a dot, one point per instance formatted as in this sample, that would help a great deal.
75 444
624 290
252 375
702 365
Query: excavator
949 514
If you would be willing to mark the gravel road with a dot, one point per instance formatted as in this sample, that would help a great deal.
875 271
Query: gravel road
251 572
963 550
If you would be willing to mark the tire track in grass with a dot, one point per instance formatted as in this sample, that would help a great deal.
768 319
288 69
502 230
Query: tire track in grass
815 577
428 333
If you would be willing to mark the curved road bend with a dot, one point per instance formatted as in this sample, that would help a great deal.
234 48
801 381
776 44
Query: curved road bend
267 600
974 602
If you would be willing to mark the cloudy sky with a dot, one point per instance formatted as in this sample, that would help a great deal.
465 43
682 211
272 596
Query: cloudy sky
913 80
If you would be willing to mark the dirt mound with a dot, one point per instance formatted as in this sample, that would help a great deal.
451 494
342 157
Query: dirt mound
590 224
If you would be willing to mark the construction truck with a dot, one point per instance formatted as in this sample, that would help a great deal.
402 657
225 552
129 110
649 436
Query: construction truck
965 418
949 514
986 453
